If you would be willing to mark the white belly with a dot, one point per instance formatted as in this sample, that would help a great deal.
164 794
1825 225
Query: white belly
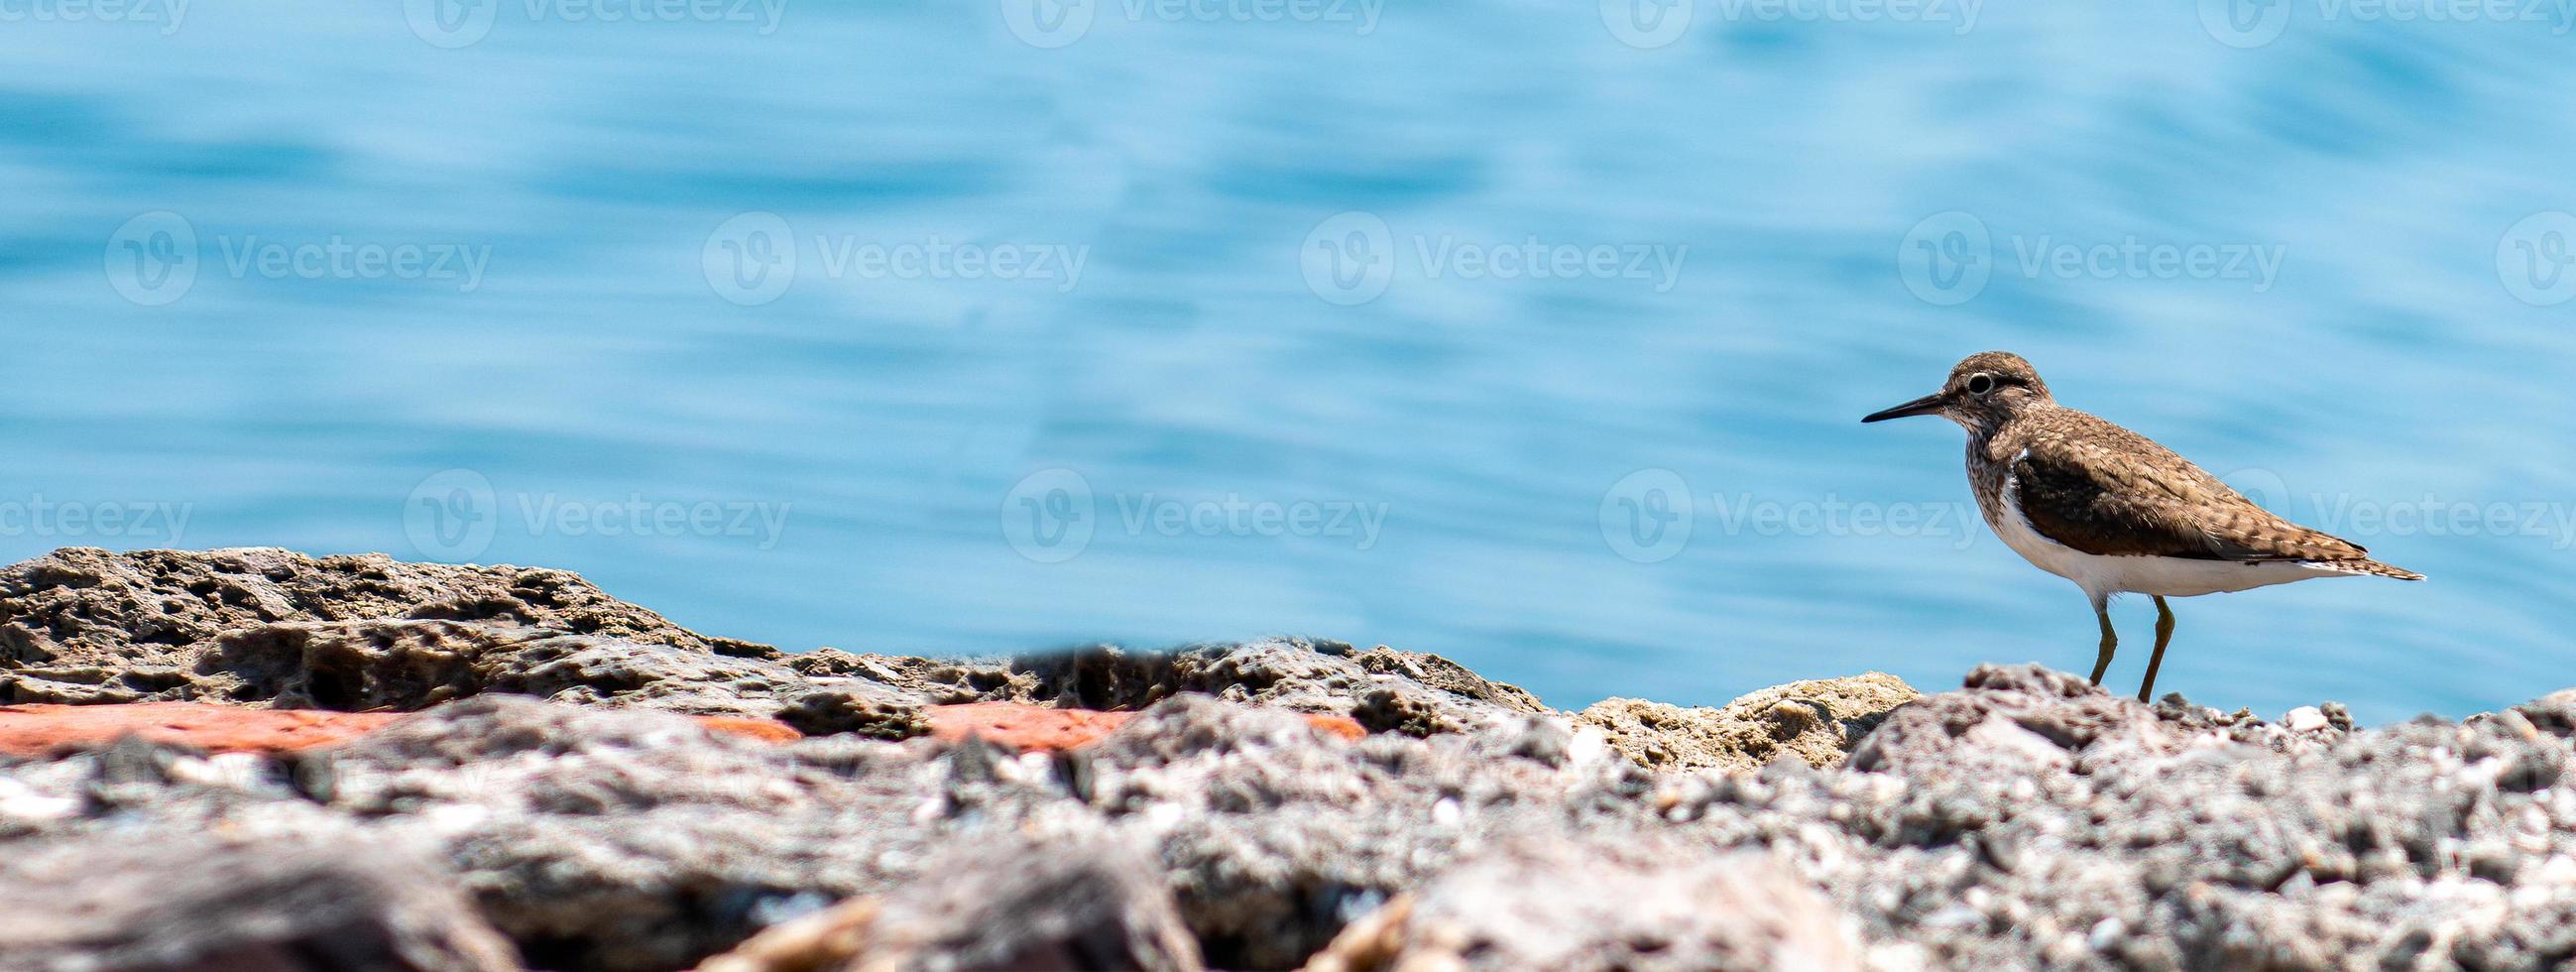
2102 576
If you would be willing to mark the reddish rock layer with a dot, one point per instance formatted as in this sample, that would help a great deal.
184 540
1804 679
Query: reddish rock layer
1031 727
34 730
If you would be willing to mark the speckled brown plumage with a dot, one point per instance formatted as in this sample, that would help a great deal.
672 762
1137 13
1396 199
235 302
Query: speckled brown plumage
2102 489
2112 511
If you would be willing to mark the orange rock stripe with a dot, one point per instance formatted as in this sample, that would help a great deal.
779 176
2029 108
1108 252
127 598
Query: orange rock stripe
38 729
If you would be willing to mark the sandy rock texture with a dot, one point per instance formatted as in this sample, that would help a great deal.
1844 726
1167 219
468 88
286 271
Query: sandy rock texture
545 792
1815 721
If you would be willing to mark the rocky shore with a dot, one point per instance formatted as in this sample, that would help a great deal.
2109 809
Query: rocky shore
253 759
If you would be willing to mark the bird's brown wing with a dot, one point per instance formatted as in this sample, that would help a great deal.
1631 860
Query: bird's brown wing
2133 497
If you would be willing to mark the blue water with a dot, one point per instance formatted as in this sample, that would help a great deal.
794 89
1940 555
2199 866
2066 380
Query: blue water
1592 290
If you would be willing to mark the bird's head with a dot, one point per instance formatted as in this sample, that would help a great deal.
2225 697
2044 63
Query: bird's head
1984 390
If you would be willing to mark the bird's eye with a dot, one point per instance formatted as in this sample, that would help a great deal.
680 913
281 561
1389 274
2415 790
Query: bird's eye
1980 384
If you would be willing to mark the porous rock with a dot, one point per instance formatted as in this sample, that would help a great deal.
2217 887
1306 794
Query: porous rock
1433 694
2024 820
408 665
83 625
273 628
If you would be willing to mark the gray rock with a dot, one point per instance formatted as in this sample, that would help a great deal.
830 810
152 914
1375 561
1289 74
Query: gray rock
1381 688
89 626
271 627
321 900
2098 833
406 665
2015 719
2025 820
1018 903
1637 900
867 712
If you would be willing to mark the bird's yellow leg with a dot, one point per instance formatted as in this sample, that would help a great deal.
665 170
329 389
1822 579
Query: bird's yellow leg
2110 640
2164 635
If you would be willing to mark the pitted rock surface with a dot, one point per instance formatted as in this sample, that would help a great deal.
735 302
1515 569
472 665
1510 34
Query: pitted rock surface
553 794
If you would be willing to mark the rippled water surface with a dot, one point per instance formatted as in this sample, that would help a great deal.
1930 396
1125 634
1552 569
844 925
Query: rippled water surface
1529 334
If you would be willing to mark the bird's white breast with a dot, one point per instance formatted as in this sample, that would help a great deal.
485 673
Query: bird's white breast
2102 576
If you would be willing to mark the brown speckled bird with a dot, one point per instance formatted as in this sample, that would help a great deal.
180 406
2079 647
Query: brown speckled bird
2104 507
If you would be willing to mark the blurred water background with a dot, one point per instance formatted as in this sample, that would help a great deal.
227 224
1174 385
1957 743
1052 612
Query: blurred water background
1531 334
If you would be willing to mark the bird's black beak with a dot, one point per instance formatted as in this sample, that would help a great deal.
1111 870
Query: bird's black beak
1926 405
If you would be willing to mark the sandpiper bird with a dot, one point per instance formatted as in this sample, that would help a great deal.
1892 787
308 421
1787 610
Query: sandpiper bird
2104 507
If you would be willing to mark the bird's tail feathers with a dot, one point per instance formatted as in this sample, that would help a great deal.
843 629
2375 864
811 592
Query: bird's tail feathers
2365 565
